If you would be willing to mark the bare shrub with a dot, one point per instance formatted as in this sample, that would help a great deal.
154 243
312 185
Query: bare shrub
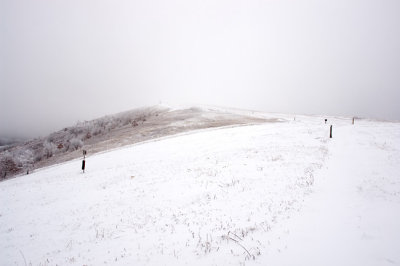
38 156
8 166
88 135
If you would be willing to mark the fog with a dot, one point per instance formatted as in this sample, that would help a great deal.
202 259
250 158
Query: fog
63 61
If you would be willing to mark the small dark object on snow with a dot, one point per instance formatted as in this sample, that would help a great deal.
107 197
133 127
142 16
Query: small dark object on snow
83 161
326 120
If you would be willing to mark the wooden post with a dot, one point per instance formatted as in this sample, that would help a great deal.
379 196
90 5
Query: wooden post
83 162
83 166
353 120
330 136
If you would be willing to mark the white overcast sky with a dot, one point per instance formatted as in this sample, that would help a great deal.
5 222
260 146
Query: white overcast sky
69 60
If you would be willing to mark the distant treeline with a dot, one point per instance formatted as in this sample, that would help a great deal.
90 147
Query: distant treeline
22 157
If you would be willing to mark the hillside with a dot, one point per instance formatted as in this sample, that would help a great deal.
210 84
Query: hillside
110 132
260 194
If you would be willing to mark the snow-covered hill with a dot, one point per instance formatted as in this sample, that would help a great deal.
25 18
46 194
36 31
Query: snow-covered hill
269 194
114 131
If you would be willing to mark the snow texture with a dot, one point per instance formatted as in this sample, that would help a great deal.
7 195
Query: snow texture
269 194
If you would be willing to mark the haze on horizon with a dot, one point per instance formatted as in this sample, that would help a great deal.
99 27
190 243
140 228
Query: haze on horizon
63 61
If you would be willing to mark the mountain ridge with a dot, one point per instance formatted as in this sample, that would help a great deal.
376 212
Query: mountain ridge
112 131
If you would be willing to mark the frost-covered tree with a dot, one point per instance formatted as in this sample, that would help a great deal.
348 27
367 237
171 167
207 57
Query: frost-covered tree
76 143
96 129
49 148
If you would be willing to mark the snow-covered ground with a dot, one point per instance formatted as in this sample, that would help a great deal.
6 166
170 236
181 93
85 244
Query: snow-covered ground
271 194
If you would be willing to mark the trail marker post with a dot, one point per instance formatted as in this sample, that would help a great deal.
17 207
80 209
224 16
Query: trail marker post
326 120
83 162
330 136
353 120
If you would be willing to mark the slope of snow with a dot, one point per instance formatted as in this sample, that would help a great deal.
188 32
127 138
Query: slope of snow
353 217
275 193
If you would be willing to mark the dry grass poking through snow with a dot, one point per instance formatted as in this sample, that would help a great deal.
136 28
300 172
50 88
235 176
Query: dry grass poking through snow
206 198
